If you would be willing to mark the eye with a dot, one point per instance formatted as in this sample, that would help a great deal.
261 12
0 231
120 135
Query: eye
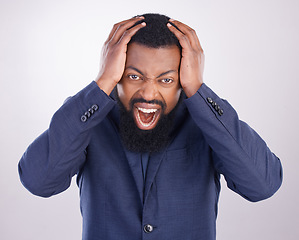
133 77
167 80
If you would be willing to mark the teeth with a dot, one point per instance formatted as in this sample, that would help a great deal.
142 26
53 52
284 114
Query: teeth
146 110
146 124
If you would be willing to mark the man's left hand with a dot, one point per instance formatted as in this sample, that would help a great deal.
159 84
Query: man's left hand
192 61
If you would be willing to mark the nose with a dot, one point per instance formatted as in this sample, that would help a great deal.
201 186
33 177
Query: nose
149 90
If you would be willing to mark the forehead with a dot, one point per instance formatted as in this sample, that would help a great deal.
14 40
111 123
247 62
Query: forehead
151 60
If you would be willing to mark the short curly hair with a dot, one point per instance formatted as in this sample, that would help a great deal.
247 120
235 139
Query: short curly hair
156 33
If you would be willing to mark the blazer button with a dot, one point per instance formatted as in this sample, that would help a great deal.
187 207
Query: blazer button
148 228
91 110
87 114
95 107
83 118
210 100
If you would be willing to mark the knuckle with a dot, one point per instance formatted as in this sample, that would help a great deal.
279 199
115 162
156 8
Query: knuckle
130 32
126 33
118 27
192 31
108 43
183 37
199 51
115 25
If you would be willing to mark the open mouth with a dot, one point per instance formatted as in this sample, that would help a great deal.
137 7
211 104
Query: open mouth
146 116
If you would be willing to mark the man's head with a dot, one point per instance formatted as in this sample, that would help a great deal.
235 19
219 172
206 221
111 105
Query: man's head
150 87
156 34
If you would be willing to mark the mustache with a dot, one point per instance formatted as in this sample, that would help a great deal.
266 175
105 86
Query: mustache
142 100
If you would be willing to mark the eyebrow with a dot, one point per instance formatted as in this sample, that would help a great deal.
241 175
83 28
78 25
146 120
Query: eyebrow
137 70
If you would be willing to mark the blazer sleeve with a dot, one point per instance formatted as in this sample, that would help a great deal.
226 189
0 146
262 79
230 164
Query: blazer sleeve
239 153
50 162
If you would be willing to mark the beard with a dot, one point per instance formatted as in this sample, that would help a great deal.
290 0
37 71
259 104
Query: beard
137 140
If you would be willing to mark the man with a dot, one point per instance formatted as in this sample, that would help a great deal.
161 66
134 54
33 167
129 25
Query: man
148 141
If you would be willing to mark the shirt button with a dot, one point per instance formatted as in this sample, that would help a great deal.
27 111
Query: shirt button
148 228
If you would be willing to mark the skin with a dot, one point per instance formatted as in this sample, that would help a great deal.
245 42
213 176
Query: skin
114 53
150 74
192 62
137 69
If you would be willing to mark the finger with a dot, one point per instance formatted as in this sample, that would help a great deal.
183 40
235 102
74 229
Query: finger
189 32
127 35
116 26
183 39
121 28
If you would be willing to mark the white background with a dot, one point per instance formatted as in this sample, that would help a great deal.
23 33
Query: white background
50 50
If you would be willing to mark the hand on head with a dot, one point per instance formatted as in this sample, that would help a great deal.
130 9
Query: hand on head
192 61
115 51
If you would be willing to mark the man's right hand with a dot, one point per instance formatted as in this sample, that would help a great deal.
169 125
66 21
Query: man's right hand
114 53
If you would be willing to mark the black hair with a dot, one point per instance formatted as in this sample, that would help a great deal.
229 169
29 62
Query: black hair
156 33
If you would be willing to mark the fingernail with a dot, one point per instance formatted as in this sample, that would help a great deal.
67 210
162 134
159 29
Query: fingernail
171 20
143 23
169 25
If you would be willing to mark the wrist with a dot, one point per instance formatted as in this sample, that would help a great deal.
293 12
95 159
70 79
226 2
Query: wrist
106 85
191 90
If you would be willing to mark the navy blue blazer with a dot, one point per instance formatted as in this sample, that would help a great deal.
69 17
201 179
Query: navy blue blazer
178 199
